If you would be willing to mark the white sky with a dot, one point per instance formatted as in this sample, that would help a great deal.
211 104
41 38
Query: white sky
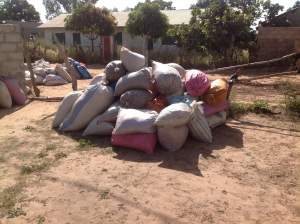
122 4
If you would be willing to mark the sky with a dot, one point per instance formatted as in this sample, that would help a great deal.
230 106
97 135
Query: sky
122 4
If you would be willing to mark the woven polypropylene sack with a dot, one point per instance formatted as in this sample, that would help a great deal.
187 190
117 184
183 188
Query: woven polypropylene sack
217 93
97 79
172 138
111 114
198 125
114 70
135 80
135 99
65 107
176 114
167 79
5 98
179 68
54 80
97 127
157 104
16 92
217 119
139 141
211 110
131 121
39 71
132 61
196 82
62 72
95 100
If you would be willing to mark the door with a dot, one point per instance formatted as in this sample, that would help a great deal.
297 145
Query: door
107 48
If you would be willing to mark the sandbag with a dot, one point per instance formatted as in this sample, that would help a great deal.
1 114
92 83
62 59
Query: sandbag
54 80
196 82
198 125
217 93
5 98
157 104
217 119
50 70
132 121
172 138
97 127
142 142
114 70
179 68
97 79
39 71
111 114
132 61
211 110
65 107
135 98
16 92
167 79
177 114
182 99
60 71
95 100
135 80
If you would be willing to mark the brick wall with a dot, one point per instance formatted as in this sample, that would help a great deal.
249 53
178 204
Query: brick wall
11 52
277 41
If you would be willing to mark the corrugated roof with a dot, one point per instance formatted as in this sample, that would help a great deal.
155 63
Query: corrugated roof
176 17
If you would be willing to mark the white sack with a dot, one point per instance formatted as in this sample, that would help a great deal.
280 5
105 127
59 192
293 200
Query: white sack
172 138
95 100
39 71
217 119
179 68
97 79
65 107
62 72
132 61
111 114
135 98
131 121
97 127
54 80
114 70
5 97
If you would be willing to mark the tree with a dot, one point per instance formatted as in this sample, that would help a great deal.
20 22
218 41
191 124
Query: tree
271 10
164 5
91 21
296 5
56 7
148 21
18 10
200 4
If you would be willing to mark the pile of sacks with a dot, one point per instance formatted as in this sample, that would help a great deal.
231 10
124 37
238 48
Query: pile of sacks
53 76
11 93
139 106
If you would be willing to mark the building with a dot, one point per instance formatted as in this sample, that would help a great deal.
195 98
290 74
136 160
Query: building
54 30
279 37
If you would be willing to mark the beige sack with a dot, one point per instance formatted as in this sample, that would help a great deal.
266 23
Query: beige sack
5 98
132 61
59 70
172 138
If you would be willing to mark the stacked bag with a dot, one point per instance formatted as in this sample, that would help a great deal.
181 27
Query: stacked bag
140 106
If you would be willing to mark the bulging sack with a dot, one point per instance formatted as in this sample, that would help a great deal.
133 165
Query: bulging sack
5 98
135 98
142 142
132 61
217 93
39 71
97 79
196 83
132 121
135 80
211 110
54 80
95 100
167 79
62 72
217 119
157 104
172 138
177 114
179 68
198 125
114 70
15 91
97 127
111 114
65 107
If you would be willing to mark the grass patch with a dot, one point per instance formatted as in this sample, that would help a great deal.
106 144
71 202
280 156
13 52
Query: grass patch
15 212
8 199
42 154
104 194
60 155
41 219
258 107
292 104
29 128
33 168
51 147
84 144
2 159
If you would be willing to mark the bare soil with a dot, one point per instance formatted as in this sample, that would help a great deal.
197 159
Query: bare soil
250 174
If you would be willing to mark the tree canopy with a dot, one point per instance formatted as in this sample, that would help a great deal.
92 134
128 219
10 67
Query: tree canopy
296 5
56 7
91 21
18 10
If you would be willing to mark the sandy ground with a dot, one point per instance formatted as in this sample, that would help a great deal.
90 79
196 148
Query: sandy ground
250 174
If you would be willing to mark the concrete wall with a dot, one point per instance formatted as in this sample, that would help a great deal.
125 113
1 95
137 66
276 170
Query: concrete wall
11 52
277 41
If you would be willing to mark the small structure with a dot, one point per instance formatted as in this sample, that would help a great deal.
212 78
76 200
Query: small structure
279 37
107 45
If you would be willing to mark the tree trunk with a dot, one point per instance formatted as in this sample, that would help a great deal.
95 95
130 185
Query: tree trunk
92 45
146 50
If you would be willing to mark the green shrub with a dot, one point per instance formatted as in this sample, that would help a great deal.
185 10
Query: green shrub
293 104
260 106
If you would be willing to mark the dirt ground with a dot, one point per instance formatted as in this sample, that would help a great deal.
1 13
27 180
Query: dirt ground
249 174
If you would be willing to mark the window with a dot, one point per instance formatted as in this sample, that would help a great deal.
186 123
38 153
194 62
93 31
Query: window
76 39
60 37
118 38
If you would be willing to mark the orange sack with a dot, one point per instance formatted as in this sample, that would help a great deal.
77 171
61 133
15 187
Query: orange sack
217 93
157 104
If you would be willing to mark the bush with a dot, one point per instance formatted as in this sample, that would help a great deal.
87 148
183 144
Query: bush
293 104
